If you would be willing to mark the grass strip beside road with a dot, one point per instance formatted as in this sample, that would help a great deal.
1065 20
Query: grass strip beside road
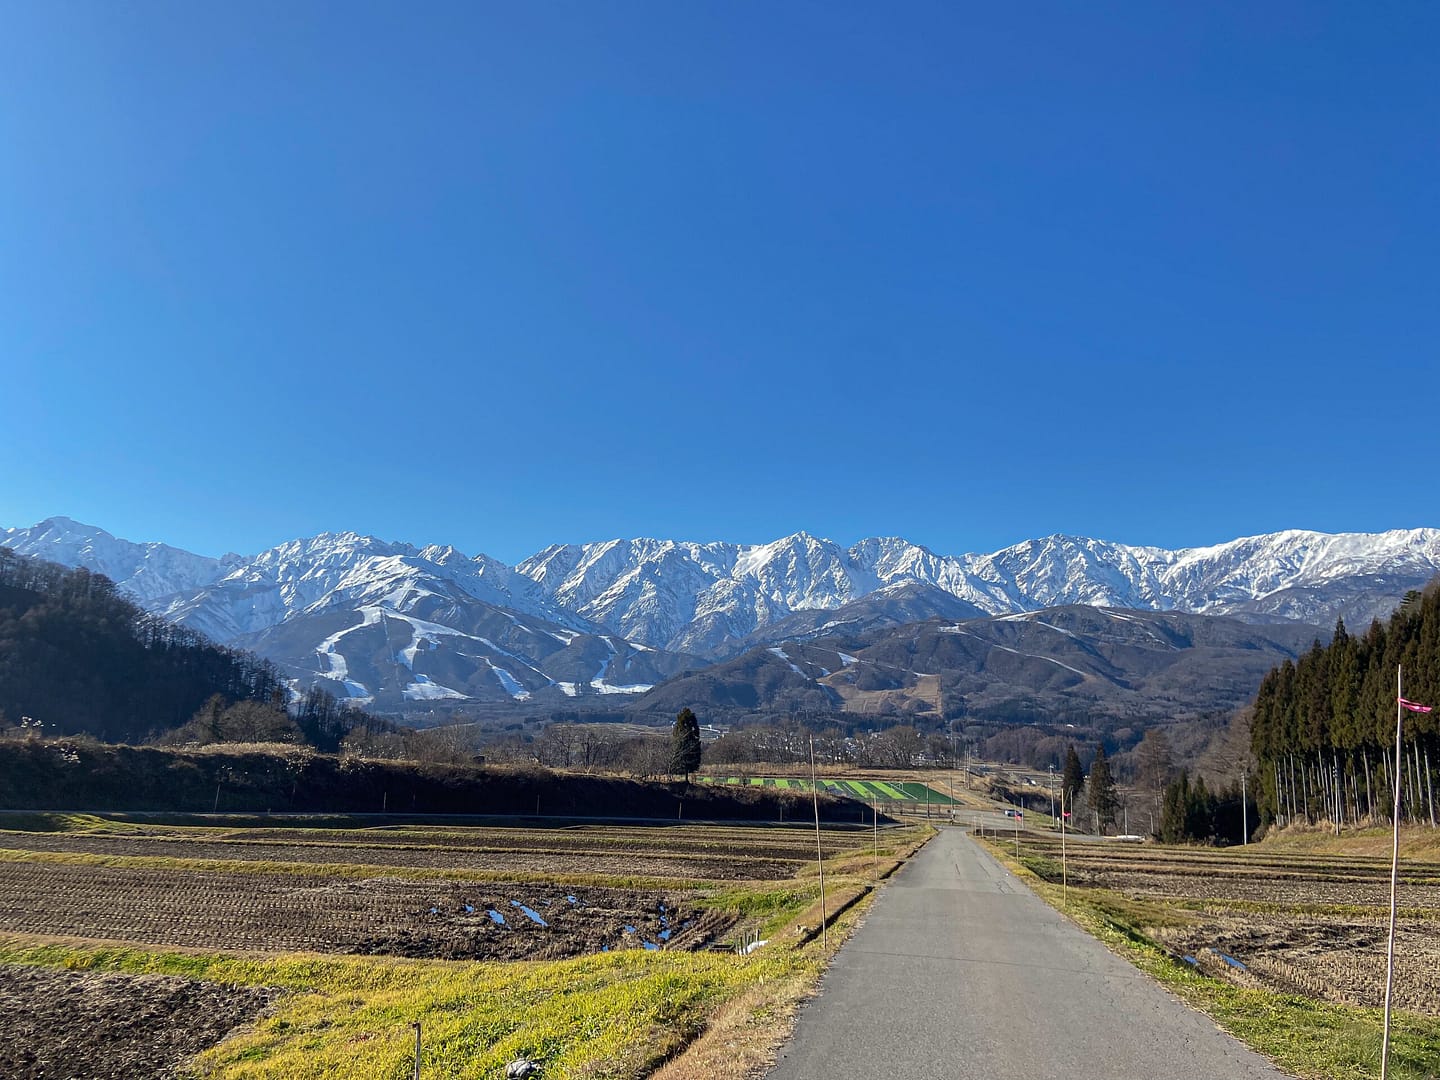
614 1015
1312 1038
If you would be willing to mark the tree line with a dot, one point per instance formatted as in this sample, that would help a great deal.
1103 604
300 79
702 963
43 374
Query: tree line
79 658
1323 726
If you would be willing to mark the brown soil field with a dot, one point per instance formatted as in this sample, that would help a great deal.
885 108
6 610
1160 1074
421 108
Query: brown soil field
538 860
770 841
72 1025
1265 911
399 913
275 912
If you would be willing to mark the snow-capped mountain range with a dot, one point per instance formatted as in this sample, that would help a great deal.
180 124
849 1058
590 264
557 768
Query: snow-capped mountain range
390 623
697 597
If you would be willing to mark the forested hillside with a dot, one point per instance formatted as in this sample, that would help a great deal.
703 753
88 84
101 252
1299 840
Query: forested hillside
1323 730
79 658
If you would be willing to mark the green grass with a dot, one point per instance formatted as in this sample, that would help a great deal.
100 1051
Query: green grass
926 794
612 1015
1306 1036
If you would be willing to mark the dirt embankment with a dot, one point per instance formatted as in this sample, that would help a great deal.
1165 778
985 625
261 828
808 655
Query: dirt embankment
64 775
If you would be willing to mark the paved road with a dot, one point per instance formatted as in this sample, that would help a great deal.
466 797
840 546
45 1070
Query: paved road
961 972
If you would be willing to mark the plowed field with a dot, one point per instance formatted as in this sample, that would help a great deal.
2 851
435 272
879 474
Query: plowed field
401 892
1311 924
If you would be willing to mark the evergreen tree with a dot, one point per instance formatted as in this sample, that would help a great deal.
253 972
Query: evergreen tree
1102 791
1200 812
1072 782
685 747
1173 818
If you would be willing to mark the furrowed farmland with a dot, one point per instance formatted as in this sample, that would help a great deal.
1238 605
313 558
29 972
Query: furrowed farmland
1284 942
588 949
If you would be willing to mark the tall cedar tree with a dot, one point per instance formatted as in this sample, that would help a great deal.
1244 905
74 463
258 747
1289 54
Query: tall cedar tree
1102 790
1322 730
1073 782
1174 818
685 743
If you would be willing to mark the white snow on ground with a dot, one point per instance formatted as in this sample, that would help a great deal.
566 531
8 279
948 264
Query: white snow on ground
569 689
335 666
599 684
1017 652
421 632
607 688
565 637
1057 629
1037 656
422 689
518 659
847 659
511 684
784 656
1131 618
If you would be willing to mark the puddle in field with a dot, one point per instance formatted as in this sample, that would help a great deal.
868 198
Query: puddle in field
530 913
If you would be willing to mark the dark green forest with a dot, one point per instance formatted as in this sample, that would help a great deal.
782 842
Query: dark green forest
1323 730
77 657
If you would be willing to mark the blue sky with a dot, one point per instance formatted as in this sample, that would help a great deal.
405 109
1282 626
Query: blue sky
507 275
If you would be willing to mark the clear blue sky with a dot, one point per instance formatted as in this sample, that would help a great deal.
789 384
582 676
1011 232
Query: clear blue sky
506 275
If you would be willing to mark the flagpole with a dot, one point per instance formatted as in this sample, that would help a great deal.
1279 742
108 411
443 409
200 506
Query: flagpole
1394 878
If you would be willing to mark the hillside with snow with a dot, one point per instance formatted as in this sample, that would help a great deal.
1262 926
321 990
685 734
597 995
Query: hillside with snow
404 627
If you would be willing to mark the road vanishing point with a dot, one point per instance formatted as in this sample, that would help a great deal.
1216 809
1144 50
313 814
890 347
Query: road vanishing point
960 971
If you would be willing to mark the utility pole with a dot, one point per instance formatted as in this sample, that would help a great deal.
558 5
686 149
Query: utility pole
875 810
954 767
1244 809
1064 872
819 855
1394 876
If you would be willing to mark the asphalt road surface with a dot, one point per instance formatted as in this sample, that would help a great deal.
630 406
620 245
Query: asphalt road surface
959 971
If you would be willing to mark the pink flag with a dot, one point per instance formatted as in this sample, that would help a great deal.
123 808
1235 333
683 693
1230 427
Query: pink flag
1414 706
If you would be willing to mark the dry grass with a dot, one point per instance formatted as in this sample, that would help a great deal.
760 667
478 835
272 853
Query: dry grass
742 1037
1416 842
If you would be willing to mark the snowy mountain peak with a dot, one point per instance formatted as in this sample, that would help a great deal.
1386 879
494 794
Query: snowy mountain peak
698 597
149 572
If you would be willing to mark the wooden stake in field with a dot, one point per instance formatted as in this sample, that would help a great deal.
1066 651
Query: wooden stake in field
819 855
1400 706
416 1026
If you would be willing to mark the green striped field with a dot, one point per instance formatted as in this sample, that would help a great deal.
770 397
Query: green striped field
865 790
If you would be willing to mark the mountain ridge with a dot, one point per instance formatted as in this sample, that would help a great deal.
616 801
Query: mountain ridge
654 606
